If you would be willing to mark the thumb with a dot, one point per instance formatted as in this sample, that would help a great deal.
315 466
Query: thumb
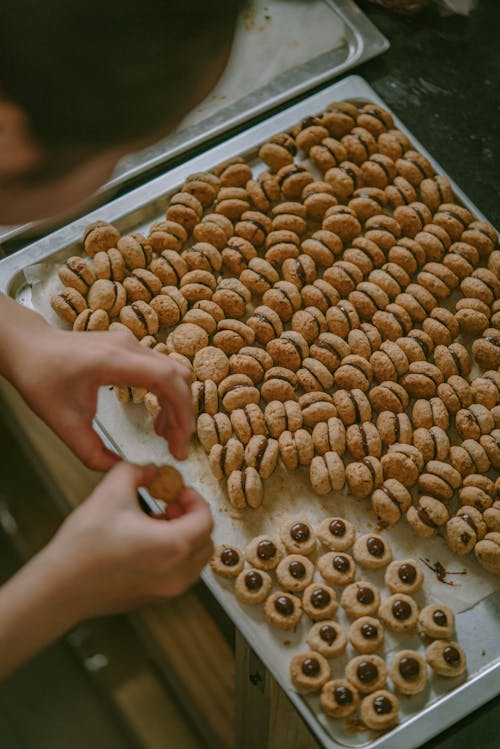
122 481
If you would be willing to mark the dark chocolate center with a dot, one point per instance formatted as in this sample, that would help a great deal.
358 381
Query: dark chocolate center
369 631
284 605
299 532
328 633
409 668
337 528
382 705
440 618
451 655
365 595
367 672
343 695
375 546
407 573
266 549
341 563
297 570
310 667
401 610
253 580
229 557
320 598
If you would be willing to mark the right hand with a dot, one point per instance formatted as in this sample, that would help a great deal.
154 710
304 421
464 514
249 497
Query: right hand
113 557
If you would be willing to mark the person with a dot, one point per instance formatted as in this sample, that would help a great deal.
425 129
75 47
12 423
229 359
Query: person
82 83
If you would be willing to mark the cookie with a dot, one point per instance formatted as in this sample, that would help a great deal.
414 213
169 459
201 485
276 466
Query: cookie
390 502
366 634
487 552
253 226
414 167
491 517
279 384
313 376
486 389
278 151
327 154
478 491
363 440
464 530
109 264
227 561
251 361
224 459
213 429
389 362
211 363
141 319
428 413
426 516
187 339
352 406
455 393
294 573
422 379
265 323
167 235
323 246
417 345
99 236
440 480
404 576
364 477
281 245
343 276
339 698
316 407
437 621
289 350
341 318
379 710
364 341
336 534
252 586
262 454
236 254
474 421
337 568
205 398
289 216
284 298
237 391
403 463
170 306
330 350
319 294
394 428
244 488
214 229
91 320
297 537
371 551
259 276
408 672
401 192
486 350
445 658
282 416
247 422
367 673
354 373
360 599
389 396
319 601
296 449
135 250
264 552
327 473
77 274
309 671
399 612
283 610
433 443
368 298
328 638
329 436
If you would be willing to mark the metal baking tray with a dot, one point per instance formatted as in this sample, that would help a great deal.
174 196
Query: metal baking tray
361 41
477 627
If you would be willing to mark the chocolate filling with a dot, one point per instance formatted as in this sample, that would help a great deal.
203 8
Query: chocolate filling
229 557
451 655
310 667
382 705
337 528
365 595
343 695
266 549
300 532
320 598
409 668
297 570
401 610
375 546
369 631
407 573
367 672
440 618
328 633
253 580
341 563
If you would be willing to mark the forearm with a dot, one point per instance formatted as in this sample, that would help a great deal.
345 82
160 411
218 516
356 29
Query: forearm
18 325
37 605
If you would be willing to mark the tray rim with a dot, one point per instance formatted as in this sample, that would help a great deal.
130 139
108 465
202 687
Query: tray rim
483 685
363 41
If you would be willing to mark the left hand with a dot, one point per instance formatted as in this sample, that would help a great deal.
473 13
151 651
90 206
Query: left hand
59 374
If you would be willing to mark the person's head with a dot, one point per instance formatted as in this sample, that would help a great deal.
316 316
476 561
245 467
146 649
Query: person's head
82 82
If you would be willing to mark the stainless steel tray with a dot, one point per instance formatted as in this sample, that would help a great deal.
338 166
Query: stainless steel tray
361 41
477 627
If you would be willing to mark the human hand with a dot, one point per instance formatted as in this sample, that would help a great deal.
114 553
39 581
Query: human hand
59 374
113 557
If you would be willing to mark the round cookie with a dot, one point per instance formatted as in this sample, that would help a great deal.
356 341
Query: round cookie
262 454
252 586
391 502
327 473
309 671
339 698
294 572
247 422
227 561
408 672
264 552
329 436
372 551
487 552
367 673
281 416
167 484
360 599
319 601
337 568
426 516
210 363
297 536
213 429
437 621
224 459
379 710
187 339
366 634
446 658
327 637
283 610
336 533
399 612
404 576
245 488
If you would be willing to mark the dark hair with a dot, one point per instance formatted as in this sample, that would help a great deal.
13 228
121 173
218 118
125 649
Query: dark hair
99 72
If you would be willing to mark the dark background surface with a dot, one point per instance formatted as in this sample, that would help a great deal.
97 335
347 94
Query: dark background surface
441 77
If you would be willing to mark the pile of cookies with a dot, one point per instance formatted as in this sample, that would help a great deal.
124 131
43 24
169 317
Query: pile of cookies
296 562
318 306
